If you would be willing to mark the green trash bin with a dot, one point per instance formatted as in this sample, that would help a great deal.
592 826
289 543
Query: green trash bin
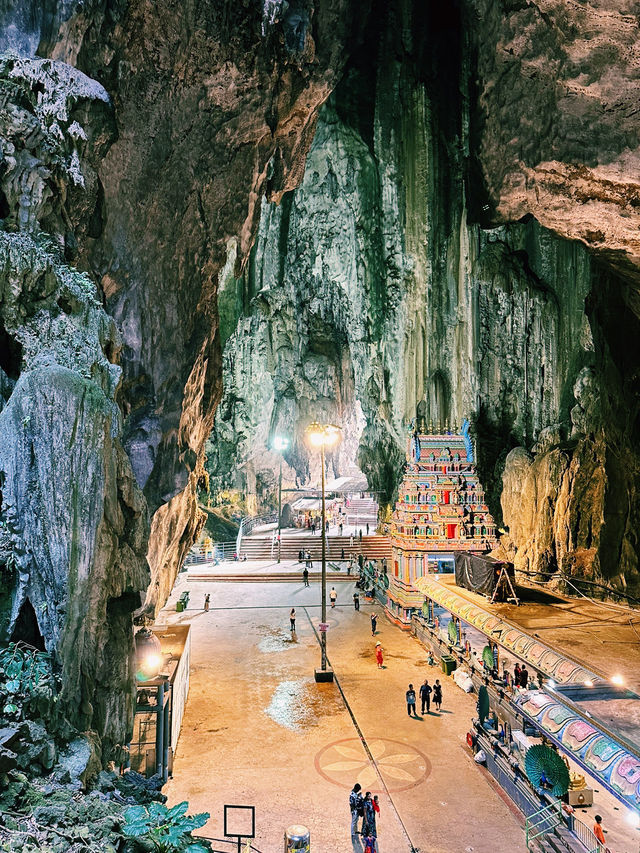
179 605
449 663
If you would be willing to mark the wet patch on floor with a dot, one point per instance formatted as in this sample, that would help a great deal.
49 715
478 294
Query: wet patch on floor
296 705
275 639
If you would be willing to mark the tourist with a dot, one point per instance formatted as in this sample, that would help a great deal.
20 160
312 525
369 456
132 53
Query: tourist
351 541
207 599
598 831
309 560
367 528
340 528
369 822
376 806
437 694
369 844
361 562
326 526
305 576
379 657
374 624
360 534
430 658
356 601
356 806
384 565
333 595
516 675
300 556
411 701
313 526
425 696
350 565
292 618
342 554
524 677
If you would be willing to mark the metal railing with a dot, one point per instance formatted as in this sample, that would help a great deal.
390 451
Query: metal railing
249 522
214 553
543 822
585 836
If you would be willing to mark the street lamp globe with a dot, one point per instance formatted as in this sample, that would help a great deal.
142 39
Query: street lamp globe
280 443
149 657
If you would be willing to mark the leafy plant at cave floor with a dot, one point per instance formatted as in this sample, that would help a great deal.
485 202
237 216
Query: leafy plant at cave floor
163 829
26 678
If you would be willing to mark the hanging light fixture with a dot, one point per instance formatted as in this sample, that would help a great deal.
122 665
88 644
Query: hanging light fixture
149 657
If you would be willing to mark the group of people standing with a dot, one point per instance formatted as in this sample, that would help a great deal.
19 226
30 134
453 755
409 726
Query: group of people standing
367 808
425 697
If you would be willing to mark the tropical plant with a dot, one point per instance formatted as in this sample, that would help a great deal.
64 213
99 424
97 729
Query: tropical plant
165 830
26 676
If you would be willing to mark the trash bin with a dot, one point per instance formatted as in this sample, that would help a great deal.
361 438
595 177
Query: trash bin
297 838
449 663
179 605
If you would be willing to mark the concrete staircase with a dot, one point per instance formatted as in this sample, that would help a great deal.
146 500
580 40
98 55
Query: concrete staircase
559 840
372 547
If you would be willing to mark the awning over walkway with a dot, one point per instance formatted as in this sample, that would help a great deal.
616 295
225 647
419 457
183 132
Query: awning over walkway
550 662
595 751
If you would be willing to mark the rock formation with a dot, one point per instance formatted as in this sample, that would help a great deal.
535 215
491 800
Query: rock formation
371 288
138 142
136 150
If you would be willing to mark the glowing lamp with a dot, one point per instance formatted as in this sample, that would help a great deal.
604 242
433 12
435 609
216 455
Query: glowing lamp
322 435
633 818
617 680
588 683
149 657
551 683
280 443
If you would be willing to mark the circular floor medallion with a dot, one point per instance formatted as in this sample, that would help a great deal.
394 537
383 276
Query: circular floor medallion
345 762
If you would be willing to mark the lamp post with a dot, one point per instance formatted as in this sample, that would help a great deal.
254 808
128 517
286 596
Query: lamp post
280 443
321 436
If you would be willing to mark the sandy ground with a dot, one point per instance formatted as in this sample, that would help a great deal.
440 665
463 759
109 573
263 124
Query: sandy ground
258 729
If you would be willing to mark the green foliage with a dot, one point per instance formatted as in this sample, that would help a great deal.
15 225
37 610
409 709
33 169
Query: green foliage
167 830
27 682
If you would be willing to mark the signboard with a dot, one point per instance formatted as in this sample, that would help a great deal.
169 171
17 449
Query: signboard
323 627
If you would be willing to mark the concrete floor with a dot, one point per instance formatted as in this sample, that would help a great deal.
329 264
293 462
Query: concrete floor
259 730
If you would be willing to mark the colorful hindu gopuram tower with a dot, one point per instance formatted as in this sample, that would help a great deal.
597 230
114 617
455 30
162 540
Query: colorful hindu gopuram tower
440 510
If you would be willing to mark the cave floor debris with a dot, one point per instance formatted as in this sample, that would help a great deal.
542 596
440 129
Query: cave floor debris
258 729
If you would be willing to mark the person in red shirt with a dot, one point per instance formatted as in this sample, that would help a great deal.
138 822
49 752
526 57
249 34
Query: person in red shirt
379 655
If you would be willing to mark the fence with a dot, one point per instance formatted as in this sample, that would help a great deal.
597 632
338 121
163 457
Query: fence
542 822
585 836
248 523
214 553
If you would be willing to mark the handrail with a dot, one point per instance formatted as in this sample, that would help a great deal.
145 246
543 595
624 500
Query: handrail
248 522
584 835
543 821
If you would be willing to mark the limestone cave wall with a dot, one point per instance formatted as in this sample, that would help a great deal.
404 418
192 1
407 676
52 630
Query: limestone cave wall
136 138
406 273
386 286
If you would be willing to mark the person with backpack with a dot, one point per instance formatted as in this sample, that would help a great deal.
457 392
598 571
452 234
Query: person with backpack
411 701
369 822
356 805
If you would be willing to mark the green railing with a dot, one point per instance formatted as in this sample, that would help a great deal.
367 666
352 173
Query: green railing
543 822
